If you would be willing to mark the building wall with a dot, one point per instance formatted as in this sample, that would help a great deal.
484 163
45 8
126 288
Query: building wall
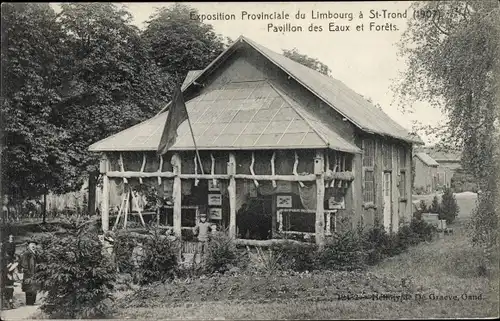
426 177
284 163
398 164
446 170
251 66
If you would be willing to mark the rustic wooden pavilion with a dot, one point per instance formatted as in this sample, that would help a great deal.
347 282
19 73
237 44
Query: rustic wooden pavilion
303 146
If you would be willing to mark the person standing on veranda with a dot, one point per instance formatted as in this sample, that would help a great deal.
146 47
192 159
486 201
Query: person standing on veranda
202 232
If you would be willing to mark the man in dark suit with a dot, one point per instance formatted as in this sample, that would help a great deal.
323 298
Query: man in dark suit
28 267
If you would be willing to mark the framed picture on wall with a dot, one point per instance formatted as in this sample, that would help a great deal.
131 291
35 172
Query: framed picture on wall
215 199
215 213
213 185
284 201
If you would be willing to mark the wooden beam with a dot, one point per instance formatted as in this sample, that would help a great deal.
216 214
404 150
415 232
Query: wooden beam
295 165
138 208
273 172
231 170
319 227
252 172
346 176
125 217
266 243
104 166
122 168
142 166
212 169
196 180
177 194
122 207
160 169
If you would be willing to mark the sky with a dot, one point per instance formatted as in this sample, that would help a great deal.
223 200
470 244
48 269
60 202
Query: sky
366 60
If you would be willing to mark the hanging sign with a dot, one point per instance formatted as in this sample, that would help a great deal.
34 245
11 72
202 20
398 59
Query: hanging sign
284 201
215 213
284 187
215 199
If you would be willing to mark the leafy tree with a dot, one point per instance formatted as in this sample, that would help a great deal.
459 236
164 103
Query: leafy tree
452 61
449 206
179 43
307 61
34 156
111 82
77 276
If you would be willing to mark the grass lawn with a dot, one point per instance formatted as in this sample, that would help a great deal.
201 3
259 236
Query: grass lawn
434 280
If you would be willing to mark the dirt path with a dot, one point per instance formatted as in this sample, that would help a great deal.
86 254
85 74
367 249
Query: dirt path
22 311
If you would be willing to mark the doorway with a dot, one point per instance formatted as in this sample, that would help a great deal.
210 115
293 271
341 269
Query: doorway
254 219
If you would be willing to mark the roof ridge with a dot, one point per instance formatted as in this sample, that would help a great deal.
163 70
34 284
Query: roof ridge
286 98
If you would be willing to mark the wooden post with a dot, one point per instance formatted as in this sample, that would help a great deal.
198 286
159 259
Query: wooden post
231 170
104 168
177 194
320 198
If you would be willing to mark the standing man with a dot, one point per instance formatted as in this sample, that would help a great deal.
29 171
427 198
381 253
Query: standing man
202 231
28 267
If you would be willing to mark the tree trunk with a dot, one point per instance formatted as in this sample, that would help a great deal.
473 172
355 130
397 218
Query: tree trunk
92 194
44 209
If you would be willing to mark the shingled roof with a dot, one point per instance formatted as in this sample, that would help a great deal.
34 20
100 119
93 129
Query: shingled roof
427 160
333 92
242 117
247 115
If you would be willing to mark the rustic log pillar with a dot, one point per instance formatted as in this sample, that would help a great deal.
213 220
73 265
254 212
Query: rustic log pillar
177 194
231 170
104 168
357 189
320 198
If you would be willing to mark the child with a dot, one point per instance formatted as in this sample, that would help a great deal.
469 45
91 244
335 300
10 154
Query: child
202 231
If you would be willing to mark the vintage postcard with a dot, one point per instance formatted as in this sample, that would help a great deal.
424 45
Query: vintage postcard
348 152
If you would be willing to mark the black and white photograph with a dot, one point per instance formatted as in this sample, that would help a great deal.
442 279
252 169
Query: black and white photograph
250 160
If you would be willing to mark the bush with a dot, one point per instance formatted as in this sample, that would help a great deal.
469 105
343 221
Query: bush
265 261
449 206
295 256
422 230
483 225
374 243
222 254
435 207
76 275
122 248
344 253
159 261
407 236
